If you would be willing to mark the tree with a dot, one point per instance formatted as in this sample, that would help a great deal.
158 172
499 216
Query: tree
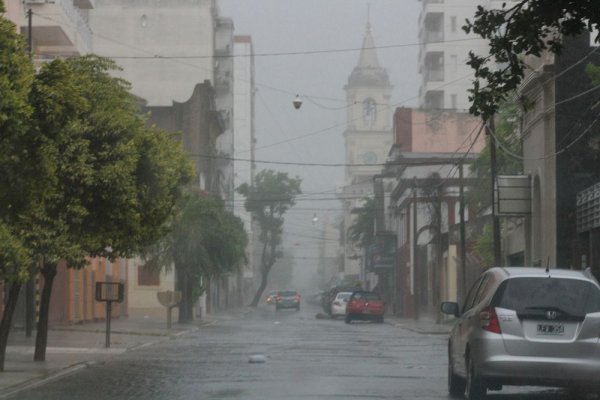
22 175
268 199
518 29
508 122
205 241
362 231
114 182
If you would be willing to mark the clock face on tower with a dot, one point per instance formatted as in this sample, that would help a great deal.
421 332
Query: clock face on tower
369 157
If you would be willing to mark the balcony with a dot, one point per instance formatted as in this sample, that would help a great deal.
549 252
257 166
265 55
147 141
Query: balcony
433 26
58 28
433 69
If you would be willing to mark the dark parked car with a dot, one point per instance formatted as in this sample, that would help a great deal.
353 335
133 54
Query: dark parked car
287 299
364 305
526 326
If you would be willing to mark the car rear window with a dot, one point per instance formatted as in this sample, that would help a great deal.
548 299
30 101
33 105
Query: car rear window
572 296
365 296
343 296
288 293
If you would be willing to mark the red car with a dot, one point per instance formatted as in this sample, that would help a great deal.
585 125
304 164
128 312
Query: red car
364 306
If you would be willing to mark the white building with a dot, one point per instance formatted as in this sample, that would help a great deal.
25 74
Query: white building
445 76
165 47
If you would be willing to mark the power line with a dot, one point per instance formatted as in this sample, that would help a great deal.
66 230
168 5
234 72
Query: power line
546 156
291 53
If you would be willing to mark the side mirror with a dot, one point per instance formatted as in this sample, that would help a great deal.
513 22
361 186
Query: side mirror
450 308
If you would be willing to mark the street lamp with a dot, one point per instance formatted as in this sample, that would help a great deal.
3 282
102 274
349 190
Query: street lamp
297 102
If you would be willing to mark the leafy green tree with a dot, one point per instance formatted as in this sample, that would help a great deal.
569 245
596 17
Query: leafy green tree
22 175
593 71
518 29
362 231
205 242
268 199
114 182
508 120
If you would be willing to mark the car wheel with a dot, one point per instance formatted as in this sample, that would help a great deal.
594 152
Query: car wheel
380 320
456 385
347 319
475 388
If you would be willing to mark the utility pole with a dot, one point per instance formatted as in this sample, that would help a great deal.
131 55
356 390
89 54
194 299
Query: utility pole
29 31
463 246
493 170
416 280
30 285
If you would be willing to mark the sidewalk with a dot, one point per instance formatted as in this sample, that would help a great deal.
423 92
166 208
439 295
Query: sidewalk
71 348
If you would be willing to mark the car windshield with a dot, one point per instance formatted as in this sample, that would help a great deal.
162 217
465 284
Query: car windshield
571 296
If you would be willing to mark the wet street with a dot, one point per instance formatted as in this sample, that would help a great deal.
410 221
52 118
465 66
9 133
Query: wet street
305 358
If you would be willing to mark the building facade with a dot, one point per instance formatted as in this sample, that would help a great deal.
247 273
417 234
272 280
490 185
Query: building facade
561 152
244 142
164 47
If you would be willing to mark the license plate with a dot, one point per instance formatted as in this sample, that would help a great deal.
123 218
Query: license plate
551 329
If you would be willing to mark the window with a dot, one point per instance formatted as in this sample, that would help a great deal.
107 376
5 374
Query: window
147 277
472 294
572 297
453 101
369 110
453 24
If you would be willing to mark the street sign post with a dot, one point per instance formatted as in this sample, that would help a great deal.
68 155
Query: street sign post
109 292
169 299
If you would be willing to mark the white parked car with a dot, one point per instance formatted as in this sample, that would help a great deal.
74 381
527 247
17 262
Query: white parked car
338 306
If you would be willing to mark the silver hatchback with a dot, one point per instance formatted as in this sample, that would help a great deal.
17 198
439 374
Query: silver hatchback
525 326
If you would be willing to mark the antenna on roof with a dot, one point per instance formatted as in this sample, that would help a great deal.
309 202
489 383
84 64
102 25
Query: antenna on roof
548 265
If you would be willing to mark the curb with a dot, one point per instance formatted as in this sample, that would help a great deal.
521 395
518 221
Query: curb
34 382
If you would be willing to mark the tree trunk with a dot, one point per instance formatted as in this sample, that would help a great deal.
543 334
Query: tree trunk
181 286
189 287
9 310
41 340
261 289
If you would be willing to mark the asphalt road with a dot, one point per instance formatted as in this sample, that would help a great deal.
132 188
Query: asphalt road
305 358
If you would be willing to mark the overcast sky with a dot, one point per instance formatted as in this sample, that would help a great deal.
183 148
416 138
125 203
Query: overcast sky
313 134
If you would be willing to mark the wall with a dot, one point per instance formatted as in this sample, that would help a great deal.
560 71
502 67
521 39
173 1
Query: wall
124 30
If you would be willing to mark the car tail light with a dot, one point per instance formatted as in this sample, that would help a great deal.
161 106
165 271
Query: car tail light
297 297
489 320
278 298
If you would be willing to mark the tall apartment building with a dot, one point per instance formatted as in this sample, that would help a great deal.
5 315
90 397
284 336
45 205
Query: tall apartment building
444 50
